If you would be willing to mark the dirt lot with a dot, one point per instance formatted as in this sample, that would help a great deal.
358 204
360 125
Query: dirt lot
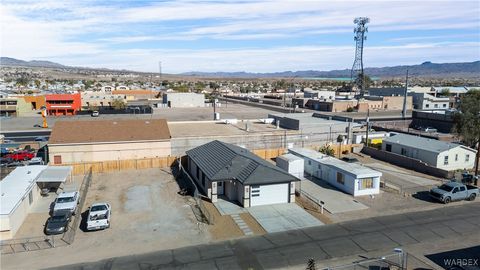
147 214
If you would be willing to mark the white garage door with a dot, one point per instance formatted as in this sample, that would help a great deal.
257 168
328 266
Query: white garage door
268 194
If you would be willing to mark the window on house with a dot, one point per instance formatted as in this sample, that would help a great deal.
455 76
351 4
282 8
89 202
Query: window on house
467 158
404 152
444 105
57 159
30 197
365 183
445 160
427 105
388 147
436 105
456 157
340 178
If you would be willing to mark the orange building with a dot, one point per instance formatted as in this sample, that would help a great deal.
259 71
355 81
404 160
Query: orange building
37 102
63 104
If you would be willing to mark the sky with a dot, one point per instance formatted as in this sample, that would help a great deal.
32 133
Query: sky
251 36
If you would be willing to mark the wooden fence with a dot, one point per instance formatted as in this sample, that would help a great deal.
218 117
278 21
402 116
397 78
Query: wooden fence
164 162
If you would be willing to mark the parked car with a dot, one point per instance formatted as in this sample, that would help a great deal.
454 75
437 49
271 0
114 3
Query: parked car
21 155
4 161
454 191
8 141
41 139
36 161
37 126
58 222
98 216
67 201
95 114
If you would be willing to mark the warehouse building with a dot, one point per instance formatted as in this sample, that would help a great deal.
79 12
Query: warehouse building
236 174
442 155
351 178
183 100
90 141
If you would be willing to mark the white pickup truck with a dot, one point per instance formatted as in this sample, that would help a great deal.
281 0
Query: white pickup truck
98 216
67 201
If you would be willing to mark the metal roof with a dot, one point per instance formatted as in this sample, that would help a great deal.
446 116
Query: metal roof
16 185
422 143
359 171
55 174
223 161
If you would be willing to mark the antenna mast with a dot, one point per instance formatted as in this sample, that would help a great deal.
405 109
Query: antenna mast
357 76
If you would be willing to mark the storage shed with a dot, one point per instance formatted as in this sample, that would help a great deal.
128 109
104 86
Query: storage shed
292 164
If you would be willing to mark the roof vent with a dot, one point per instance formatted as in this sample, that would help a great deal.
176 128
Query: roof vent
29 172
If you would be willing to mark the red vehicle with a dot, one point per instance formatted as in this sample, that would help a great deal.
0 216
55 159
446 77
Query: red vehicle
18 156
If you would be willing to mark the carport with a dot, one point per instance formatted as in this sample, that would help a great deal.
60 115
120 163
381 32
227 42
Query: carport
53 176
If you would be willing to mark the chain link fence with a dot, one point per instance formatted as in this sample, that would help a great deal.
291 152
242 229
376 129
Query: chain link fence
69 235
188 186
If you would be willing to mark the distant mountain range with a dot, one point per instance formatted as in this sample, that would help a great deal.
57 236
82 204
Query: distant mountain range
426 69
7 61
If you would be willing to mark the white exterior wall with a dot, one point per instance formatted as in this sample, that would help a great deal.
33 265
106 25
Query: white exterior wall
437 159
329 174
9 224
293 167
425 101
458 164
426 156
109 151
182 100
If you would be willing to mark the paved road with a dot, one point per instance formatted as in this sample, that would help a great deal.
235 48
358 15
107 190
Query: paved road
293 248
25 136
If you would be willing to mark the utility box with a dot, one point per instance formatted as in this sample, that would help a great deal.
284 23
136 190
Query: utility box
292 164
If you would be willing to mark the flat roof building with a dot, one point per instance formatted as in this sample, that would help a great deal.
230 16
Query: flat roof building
101 140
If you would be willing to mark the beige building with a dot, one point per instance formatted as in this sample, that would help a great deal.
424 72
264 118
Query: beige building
14 106
91 141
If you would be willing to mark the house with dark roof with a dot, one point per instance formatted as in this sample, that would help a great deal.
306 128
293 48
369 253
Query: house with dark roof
103 140
236 174
443 155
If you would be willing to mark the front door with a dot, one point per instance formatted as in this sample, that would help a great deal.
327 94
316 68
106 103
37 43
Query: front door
220 188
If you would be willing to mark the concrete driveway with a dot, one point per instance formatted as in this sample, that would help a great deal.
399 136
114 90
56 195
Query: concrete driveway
282 217
335 200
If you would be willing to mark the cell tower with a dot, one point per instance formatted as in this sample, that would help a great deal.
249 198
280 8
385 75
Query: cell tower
357 68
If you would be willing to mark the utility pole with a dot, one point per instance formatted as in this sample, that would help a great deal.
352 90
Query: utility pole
404 110
368 127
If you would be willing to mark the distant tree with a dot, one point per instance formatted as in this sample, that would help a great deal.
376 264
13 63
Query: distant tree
119 104
327 150
445 92
467 121
367 81
37 84
22 81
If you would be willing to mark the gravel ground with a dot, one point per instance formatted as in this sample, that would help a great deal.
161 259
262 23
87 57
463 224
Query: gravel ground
169 223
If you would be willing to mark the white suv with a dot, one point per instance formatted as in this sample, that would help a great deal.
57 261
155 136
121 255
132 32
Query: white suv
67 201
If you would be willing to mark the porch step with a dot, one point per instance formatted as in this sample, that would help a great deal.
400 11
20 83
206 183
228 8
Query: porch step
241 224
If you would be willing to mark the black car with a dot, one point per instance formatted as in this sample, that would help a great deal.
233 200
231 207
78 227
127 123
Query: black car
58 222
